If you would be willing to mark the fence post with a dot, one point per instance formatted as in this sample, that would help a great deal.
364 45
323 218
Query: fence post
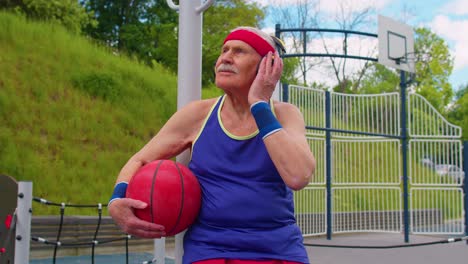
465 184
23 222
328 162
285 92
404 150
278 30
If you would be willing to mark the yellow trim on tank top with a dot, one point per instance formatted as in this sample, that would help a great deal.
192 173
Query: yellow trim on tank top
203 126
232 135
222 127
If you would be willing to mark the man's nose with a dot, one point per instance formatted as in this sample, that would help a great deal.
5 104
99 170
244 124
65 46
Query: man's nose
226 57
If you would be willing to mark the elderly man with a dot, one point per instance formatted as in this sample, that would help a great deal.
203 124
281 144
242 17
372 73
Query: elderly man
248 153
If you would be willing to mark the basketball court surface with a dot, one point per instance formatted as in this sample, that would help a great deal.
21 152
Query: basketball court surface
434 254
456 252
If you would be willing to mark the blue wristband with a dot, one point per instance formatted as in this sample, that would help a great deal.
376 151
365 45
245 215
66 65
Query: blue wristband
266 122
120 190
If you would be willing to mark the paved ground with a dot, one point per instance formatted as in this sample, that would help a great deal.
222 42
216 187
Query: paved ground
447 253
456 252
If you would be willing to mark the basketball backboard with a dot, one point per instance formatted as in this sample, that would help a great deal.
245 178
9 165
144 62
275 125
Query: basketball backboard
396 44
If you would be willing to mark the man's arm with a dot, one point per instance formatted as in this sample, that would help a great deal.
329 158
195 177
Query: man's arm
173 138
288 148
284 138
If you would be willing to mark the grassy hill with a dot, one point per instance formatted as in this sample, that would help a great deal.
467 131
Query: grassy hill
72 112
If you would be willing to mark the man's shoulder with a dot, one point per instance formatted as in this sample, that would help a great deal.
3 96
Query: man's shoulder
201 104
191 116
198 109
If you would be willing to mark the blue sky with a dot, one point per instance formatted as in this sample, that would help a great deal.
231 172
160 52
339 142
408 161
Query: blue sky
448 19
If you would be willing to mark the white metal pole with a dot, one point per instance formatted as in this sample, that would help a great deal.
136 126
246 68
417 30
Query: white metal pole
23 222
189 76
189 55
160 250
189 70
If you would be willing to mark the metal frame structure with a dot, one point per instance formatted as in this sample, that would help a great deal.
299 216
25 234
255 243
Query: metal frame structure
328 128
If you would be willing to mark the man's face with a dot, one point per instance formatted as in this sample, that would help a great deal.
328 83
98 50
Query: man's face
236 67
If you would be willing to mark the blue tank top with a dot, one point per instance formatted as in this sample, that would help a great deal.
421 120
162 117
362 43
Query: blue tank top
247 210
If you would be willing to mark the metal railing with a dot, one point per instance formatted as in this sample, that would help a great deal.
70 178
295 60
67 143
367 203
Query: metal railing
361 165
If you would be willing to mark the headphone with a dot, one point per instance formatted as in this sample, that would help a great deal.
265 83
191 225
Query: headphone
279 45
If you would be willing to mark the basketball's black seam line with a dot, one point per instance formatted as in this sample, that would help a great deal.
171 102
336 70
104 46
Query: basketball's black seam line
182 197
153 183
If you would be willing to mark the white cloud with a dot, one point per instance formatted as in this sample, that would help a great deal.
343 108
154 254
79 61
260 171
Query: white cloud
457 7
329 6
269 30
452 31
333 6
265 3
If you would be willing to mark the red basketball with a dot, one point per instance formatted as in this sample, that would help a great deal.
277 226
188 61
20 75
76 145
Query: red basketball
171 191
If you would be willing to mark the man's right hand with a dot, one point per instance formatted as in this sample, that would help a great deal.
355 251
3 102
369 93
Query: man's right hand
121 211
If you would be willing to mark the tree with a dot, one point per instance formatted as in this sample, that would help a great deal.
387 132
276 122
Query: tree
379 79
148 29
142 28
9 4
68 13
434 65
458 112
290 66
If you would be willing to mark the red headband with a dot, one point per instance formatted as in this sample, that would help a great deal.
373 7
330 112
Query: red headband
255 41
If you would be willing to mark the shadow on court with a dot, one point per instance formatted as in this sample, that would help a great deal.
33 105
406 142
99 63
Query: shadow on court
456 252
